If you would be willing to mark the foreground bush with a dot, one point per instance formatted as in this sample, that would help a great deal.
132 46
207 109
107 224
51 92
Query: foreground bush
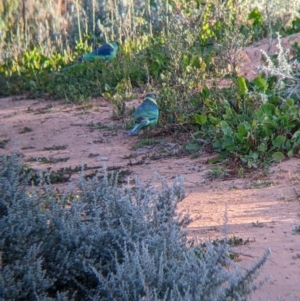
107 243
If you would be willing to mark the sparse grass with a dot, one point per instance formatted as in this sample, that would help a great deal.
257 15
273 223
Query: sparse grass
64 174
93 155
3 143
257 224
25 130
155 157
217 172
139 161
297 230
128 123
259 184
236 241
99 141
232 241
146 142
101 126
27 147
122 175
130 156
84 107
56 147
44 110
297 256
46 160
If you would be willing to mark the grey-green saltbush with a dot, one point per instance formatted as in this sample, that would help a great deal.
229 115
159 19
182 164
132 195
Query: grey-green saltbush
108 243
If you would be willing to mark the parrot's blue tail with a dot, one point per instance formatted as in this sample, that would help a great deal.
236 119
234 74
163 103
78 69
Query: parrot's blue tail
138 126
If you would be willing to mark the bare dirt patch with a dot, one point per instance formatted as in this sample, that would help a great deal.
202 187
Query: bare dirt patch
262 208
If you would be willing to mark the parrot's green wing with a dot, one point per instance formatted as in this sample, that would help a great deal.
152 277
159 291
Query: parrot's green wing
146 114
106 52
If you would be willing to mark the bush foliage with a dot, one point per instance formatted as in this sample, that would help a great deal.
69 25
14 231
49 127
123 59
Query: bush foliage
105 242
252 124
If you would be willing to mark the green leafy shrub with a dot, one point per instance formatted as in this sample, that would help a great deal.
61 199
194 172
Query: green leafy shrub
106 242
253 126
159 43
57 77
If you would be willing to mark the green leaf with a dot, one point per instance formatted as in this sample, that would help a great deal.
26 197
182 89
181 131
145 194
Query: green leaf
200 119
217 144
205 92
263 147
242 130
275 100
279 141
192 147
255 155
242 86
252 164
290 102
296 135
213 120
226 128
260 84
106 95
186 59
290 153
270 124
268 109
196 61
256 16
278 156
288 144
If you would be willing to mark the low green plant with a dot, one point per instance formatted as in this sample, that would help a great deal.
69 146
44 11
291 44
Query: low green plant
29 72
56 147
297 230
217 172
243 124
45 160
3 143
146 142
62 76
25 129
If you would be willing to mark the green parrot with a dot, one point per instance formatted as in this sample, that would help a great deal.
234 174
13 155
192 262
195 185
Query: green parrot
106 52
146 114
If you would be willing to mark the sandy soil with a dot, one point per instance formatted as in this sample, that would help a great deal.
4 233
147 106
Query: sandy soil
262 208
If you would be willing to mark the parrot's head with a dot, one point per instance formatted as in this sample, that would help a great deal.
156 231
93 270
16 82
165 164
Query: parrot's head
152 97
115 44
